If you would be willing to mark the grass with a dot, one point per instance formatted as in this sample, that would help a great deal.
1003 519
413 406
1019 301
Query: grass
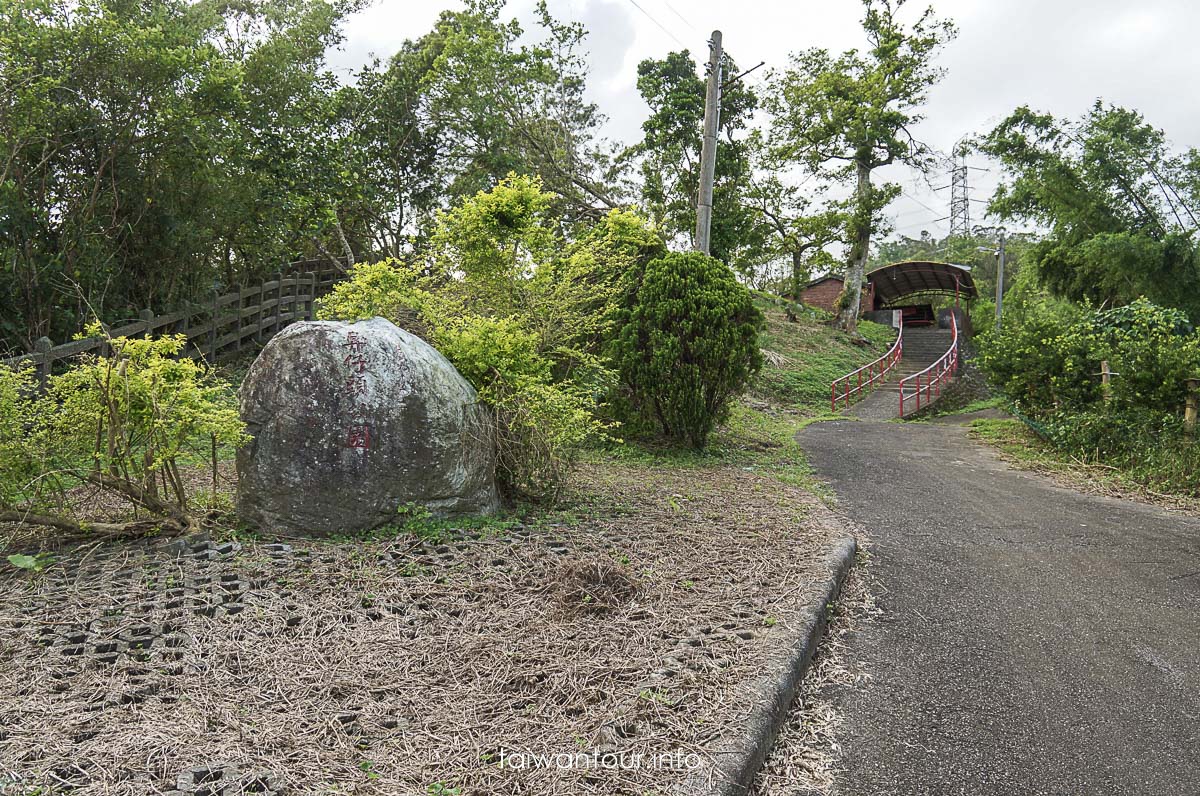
1014 439
980 405
1020 446
805 356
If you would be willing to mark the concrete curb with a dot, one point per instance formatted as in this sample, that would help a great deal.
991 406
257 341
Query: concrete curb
740 753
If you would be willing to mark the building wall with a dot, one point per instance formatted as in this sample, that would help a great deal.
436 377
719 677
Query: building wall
824 294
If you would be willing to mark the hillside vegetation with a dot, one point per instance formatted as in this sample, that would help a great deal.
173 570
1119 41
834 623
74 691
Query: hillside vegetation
803 357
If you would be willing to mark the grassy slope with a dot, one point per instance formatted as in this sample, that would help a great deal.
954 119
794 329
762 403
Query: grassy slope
813 355
791 391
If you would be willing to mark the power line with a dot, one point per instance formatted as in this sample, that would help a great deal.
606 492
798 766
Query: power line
937 222
681 16
918 201
659 24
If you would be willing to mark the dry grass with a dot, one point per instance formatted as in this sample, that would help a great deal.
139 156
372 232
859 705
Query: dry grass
411 665
806 757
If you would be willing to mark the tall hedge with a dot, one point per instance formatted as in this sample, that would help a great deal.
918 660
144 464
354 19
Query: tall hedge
686 344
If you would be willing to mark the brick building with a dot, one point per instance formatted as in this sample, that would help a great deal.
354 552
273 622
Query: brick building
824 293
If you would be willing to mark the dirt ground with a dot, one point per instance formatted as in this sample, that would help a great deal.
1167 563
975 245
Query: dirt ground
596 649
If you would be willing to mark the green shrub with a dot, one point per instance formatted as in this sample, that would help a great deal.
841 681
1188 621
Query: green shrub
388 289
125 422
1041 363
1050 362
687 346
541 424
1152 350
521 312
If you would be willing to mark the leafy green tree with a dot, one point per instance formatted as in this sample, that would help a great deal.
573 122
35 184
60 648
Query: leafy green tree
1121 207
155 150
844 117
688 346
455 111
502 105
793 227
669 154
389 153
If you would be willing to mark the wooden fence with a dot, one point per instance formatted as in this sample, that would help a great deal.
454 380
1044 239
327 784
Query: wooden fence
216 328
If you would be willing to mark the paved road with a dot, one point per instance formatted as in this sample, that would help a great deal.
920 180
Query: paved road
1034 640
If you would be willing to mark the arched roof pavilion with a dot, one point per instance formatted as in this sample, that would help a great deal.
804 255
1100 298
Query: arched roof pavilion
898 281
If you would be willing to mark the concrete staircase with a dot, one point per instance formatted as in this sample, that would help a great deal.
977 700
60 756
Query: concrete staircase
922 347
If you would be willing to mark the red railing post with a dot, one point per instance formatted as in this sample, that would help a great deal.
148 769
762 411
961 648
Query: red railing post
875 371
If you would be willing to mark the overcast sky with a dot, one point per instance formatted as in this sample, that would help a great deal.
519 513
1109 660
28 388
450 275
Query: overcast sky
1054 55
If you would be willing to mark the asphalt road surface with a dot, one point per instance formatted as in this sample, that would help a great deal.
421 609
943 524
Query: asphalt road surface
1034 640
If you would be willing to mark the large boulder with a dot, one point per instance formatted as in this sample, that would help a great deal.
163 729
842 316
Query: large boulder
354 421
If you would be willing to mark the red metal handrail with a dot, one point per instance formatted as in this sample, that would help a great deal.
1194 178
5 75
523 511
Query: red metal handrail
876 371
935 375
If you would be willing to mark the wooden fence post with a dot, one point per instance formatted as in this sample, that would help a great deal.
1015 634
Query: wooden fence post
105 348
275 319
1192 410
42 346
1105 381
258 315
241 303
212 331
181 327
289 293
310 306
146 316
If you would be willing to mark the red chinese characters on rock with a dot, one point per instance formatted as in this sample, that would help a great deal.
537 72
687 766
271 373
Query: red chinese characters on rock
356 359
356 385
358 437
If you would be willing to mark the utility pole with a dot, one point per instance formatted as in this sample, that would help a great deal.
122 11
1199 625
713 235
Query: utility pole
708 152
1000 282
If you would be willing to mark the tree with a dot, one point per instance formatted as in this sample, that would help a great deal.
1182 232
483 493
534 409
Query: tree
454 112
793 229
389 148
154 150
845 117
502 106
669 154
1121 207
